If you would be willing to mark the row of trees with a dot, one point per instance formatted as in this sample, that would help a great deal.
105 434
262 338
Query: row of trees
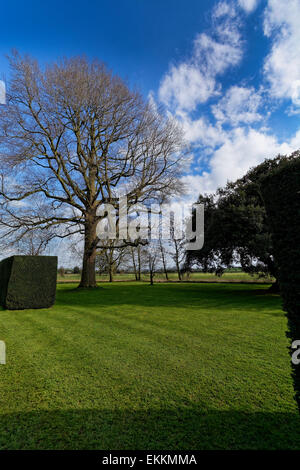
149 258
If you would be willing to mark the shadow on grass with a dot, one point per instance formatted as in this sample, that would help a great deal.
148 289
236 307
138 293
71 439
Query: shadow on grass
169 429
160 295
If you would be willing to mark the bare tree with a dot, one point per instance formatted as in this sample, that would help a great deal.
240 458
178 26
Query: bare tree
152 251
139 256
101 263
73 137
134 264
152 260
32 243
163 258
177 251
110 258
178 255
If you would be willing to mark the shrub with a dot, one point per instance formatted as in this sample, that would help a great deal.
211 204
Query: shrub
28 282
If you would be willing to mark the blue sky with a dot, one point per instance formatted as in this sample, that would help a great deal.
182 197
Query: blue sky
229 71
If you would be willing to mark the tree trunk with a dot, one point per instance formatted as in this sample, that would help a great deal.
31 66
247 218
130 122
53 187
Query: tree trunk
164 261
139 263
134 265
151 271
178 271
110 257
110 272
177 260
88 274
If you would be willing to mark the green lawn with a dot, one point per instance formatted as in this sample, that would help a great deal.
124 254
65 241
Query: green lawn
130 366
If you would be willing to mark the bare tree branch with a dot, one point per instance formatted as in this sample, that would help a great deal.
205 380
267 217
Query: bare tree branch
72 137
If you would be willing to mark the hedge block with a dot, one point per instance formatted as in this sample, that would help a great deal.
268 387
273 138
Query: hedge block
28 282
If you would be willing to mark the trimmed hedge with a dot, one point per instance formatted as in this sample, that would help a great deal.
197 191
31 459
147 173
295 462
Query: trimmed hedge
28 282
281 194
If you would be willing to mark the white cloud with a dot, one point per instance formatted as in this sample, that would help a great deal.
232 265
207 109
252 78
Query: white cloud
227 153
152 102
200 131
223 9
295 141
186 86
239 105
198 184
248 5
241 150
282 66
216 56
193 81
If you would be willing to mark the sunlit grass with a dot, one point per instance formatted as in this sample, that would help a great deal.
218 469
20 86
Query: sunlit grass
130 366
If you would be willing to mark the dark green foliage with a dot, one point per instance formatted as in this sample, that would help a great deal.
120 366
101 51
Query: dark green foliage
28 282
281 193
5 270
237 227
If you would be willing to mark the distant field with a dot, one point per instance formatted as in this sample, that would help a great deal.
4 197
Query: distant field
133 366
227 277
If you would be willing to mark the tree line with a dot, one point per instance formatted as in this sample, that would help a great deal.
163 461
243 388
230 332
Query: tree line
151 257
